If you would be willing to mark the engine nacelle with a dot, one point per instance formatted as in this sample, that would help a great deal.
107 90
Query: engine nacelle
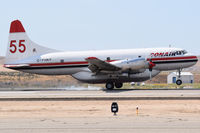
89 77
135 65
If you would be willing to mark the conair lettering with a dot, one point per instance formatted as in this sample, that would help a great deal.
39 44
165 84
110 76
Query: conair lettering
174 53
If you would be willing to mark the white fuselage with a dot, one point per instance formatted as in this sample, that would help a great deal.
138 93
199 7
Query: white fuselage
74 63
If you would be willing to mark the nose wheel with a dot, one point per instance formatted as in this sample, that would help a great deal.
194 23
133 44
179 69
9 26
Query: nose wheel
179 81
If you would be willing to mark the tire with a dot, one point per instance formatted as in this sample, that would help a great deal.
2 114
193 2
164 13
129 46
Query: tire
178 82
109 86
118 85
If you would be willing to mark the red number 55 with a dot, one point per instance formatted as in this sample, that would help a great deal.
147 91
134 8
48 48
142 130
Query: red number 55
12 44
22 50
13 47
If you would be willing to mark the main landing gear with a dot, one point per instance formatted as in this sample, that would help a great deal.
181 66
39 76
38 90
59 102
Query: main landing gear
111 85
179 81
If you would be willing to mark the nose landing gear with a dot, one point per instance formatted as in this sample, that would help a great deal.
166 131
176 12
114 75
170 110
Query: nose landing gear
179 81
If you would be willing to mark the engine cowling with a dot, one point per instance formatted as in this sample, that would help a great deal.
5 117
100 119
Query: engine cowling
132 65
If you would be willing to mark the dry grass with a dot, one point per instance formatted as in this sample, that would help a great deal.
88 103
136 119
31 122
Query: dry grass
23 80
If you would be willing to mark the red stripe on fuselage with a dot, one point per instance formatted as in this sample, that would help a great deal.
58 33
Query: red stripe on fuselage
172 58
64 63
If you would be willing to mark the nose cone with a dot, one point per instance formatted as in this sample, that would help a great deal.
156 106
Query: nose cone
196 58
190 61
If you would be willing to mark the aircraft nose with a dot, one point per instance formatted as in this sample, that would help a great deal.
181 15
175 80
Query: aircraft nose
195 58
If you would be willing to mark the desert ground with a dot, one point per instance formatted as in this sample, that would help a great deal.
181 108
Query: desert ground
95 116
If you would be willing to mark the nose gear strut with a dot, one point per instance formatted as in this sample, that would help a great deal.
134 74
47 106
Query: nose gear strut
179 81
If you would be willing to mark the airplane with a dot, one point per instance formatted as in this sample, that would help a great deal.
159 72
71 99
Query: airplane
112 67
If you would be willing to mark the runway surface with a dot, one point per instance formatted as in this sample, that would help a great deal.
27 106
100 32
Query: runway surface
102 95
78 111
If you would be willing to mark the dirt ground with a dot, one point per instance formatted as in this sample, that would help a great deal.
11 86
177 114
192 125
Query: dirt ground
154 116
34 109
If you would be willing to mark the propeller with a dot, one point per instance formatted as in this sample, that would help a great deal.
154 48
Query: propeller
151 65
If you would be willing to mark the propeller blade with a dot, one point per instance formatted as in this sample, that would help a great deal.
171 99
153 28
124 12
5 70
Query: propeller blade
150 75
151 65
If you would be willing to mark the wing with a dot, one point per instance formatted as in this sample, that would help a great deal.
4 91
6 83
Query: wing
97 65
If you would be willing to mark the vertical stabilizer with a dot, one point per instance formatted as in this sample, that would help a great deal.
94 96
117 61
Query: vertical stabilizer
20 46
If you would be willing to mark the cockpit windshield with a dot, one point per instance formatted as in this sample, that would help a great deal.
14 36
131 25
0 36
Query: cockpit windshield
184 52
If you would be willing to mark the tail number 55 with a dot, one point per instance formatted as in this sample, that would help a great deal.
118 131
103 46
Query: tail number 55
21 47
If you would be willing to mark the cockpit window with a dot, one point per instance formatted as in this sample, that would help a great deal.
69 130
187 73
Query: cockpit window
184 52
178 52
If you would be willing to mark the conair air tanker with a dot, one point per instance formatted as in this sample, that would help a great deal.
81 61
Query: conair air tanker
112 67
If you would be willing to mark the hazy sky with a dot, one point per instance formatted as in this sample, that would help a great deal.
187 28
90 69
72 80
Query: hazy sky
104 24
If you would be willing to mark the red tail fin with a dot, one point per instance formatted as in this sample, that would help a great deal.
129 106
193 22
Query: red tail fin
16 26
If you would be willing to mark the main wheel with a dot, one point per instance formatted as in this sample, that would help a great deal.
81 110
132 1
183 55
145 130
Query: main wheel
109 86
178 82
118 85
